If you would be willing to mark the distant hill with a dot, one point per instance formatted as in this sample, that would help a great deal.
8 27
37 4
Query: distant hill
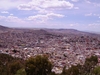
66 31
71 32
44 31
3 28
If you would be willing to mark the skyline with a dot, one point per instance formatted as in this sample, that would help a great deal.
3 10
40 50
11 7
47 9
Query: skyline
82 15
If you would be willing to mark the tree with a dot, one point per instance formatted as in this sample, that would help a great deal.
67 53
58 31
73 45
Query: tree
21 72
92 59
96 70
14 66
9 65
73 70
4 61
39 65
89 64
64 71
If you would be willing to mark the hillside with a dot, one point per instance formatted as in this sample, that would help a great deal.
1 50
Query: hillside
3 28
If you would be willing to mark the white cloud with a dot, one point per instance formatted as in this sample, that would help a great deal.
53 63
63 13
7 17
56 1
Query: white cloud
45 4
9 4
44 11
97 15
87 1
54 15
37 19
73 24
75 0
94 3
94 25
14 19
26 7
90 14
11 19
2 17
57 4
76 7
43 18
11 14
5 12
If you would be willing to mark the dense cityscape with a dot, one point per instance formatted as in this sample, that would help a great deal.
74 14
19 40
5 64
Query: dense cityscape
64 47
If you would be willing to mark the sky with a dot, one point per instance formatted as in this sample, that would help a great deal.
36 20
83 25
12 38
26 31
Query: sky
59 14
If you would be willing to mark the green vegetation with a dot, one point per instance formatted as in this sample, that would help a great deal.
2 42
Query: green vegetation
10 65
40 65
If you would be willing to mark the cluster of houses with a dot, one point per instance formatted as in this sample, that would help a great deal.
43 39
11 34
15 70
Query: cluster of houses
62 50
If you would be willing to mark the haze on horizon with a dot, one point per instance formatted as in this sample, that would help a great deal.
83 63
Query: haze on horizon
68 14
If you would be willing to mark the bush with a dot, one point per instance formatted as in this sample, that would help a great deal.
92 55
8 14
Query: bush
39 65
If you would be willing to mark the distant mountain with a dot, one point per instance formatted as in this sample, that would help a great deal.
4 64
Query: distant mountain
65 31
44 31
3 28
71 32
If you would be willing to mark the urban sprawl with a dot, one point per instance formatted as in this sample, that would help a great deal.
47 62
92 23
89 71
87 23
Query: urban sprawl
63 49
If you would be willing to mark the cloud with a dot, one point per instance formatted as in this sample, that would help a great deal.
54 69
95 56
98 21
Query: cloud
26 7
97 4
96 15
37 19
4 12
2 17
87 1
73 24
11 14
14 19
94 3
9 4
90 14
75 0
57 4
43 18
46 4
94 25
76 7
11 19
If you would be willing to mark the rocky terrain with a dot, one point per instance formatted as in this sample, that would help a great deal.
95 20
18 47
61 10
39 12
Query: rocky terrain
64 47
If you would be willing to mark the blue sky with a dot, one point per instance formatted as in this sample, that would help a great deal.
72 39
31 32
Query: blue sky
74 14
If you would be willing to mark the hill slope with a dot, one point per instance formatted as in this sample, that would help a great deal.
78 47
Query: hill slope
3 28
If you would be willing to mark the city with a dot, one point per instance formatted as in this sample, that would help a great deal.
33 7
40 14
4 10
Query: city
62 49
